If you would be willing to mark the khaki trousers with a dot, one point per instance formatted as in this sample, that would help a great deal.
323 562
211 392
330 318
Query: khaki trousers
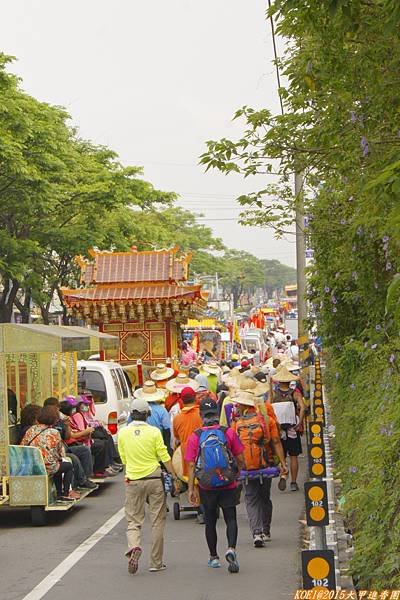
137 494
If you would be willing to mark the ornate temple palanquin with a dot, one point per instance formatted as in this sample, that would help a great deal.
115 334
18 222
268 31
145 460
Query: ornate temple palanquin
139 296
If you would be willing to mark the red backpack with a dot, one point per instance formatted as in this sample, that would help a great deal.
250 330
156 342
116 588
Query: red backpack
250 429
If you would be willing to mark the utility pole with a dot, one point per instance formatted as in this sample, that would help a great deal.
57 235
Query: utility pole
300 253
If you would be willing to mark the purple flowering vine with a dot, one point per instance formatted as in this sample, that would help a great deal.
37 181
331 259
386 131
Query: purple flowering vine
364 146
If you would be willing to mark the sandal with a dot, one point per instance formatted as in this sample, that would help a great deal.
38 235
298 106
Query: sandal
282 484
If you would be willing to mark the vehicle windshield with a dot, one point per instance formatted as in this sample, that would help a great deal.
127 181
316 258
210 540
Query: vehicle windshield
94 381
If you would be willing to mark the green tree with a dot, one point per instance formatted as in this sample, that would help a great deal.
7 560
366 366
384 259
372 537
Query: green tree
240 272
277 276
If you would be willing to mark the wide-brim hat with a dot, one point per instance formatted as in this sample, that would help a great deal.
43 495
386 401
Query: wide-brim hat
284 376
231 382
269 362
292 366
180 381
246 398
251 385
161 373
212 368
149 392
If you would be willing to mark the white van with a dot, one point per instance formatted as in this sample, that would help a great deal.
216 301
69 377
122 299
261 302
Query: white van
107 382
255 339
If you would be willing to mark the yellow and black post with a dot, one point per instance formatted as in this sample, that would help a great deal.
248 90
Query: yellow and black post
317 513
318 567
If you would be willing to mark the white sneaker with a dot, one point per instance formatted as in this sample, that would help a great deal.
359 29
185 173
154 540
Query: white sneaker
155 569
266 537
258 541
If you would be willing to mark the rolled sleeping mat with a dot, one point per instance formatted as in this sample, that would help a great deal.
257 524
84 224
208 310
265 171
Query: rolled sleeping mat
268 472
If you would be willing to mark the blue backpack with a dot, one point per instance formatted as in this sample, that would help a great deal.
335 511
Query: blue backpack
215 465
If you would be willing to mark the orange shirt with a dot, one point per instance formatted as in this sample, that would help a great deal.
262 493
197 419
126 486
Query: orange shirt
184 424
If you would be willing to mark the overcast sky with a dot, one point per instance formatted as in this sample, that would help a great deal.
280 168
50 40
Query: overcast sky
155 79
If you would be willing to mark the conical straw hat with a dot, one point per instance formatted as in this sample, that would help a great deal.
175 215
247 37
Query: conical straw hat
284 375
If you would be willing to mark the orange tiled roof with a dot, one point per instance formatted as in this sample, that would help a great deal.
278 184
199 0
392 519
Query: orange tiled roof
135 292
138 267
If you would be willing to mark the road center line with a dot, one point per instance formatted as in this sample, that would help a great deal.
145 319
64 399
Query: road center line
66 565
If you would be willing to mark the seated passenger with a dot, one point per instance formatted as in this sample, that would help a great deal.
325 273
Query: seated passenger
29 415
82 432
45 437
100 432
79 454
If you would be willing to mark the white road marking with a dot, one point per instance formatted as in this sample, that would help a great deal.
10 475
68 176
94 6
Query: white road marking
66 565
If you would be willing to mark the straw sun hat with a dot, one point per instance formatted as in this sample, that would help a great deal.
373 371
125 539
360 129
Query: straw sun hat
149 392
161 373
292 366
213 368
245 398
180 381
284 375
271 360
251 385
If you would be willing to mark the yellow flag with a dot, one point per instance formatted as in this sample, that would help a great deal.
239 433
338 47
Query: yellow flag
236 336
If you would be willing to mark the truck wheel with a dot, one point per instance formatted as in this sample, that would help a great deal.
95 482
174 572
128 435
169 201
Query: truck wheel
38 516
177 511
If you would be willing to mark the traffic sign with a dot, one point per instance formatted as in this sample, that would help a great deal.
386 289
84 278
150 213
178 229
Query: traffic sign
318 568
317 513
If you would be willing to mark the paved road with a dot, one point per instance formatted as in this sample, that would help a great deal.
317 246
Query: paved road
29 554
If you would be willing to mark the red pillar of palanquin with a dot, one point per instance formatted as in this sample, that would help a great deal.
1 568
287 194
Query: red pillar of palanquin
140 296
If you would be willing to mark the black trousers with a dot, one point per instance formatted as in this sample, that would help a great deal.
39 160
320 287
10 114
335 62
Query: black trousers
100 454
226 500
63 478
84 455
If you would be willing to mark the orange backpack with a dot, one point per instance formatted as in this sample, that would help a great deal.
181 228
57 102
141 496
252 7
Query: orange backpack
251 433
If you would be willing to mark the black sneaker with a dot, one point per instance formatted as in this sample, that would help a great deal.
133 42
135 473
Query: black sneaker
88 485
294 487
